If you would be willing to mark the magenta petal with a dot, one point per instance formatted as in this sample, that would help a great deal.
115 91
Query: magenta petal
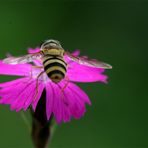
34 97
75 53
10 83
66 104
64 100
17 69
40 90
31 50
81 73
27 97
66 114
77 105
21 102
10 92
49 100
20 93
7 92
79 92
57 105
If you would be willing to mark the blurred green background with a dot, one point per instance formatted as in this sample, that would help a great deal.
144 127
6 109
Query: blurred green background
113 31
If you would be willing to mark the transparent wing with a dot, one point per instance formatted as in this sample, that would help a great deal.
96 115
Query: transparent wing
88 62
23 59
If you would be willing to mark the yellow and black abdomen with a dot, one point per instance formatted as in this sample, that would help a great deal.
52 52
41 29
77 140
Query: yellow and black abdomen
55 67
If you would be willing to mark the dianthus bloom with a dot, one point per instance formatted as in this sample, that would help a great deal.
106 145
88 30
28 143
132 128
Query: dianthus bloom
70 102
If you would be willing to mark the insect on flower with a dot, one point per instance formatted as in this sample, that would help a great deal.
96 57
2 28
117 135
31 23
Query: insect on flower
52 56
52 68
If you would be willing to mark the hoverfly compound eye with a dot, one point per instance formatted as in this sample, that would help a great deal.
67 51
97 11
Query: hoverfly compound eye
50 43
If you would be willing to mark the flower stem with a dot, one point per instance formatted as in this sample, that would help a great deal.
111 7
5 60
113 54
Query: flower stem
40 124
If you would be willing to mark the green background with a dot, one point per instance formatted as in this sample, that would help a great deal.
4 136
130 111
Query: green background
112 31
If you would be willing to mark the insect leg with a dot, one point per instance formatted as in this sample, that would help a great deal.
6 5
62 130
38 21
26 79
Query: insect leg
62 94
37 84
67 81
31 73
62 89
37 66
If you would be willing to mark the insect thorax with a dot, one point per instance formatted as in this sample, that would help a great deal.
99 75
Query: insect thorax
54 52
54 65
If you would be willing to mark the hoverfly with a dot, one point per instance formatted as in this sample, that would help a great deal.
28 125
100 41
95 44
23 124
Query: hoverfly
52 56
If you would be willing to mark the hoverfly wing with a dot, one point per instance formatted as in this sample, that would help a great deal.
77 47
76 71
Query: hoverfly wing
22 59
88 62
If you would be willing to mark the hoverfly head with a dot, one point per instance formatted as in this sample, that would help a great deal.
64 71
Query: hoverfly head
51 44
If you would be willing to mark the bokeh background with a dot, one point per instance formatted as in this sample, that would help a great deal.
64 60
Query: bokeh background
113 31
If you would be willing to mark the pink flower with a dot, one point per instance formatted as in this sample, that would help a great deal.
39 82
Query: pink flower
19 93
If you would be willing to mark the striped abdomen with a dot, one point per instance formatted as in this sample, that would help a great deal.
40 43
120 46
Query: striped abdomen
55 67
